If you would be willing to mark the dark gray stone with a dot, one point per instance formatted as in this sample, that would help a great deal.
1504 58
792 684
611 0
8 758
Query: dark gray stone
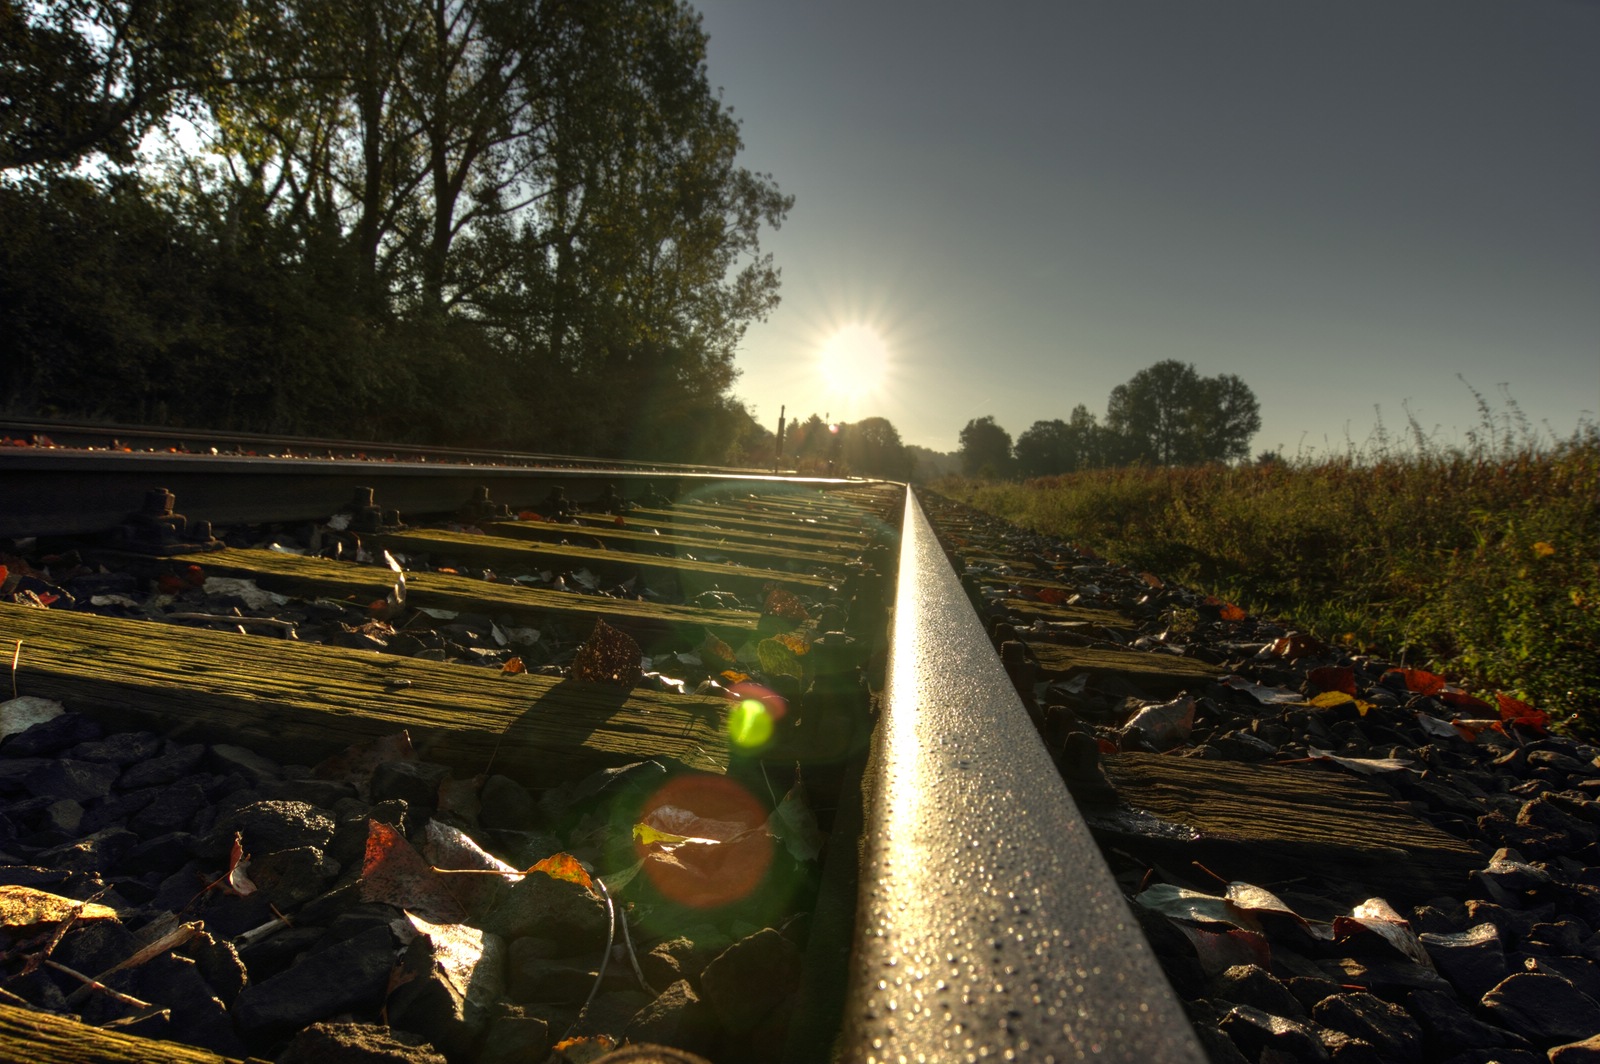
347 976
115 810
161 854
1472 960
515 1039
268 827
92 946
1547 1010
540 905
414 782
1584 1052
533 976
82 781
173 809
1254 1032
749 978
1448 1027
14 772
359 1043
171 766
198 1017
445 993
677 1017
506 804
51 736
226 759
120 748
291 877
1387 1028
1250 984
97 853
219 965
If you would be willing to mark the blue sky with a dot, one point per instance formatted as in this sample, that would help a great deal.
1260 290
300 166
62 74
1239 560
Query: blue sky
1346 204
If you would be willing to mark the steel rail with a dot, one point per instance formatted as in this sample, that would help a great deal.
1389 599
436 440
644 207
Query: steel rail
988 927
68 435
50 492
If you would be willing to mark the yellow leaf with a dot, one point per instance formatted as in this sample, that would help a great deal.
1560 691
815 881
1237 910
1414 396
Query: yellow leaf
564 866
1328 699
1542 549
646 835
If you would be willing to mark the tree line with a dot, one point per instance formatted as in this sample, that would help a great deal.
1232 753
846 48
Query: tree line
514 223
1167 414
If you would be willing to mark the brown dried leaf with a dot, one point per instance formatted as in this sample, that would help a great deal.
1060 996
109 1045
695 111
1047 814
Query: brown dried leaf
22 907
784 604
395 874
610 656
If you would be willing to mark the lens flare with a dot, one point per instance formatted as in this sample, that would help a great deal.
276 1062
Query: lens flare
724 855
749 724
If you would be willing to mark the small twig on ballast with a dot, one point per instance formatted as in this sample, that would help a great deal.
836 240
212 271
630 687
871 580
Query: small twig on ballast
90 983
220 618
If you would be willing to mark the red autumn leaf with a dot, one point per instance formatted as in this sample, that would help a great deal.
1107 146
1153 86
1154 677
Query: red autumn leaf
514 667
235 881
1418 681
394 873
1053 596
5 574
1230 612
1334 678
528 515
583 1049
1462 700
714 651
1297 645
785 605
194 576
564 866
609 656
620 522
170 584
1513 711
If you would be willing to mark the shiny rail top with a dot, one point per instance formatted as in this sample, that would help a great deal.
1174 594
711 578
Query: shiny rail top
989 928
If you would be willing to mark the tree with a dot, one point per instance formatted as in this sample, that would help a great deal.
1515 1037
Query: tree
872 448
79 77
1169 415
985 448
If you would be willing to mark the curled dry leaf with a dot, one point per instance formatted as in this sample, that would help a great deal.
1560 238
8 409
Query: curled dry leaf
1366 766
1377 917
567 867
236 882
1514 711
609 656
1417 681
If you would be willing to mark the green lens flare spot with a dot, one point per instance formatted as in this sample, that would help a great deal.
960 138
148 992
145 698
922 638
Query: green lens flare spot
749 724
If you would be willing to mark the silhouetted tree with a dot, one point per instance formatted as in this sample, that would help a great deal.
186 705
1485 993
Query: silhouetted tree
1169 415
985 448
872 448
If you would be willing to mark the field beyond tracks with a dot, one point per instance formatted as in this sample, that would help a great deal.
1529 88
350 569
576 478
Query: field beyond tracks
1482 563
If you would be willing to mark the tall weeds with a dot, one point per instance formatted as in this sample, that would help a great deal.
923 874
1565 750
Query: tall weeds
1480 560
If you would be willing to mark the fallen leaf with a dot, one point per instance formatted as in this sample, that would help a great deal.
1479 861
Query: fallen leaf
1164 725
609 656
1417 681
236 882
1053 596
712 649
1183 904
1267 696
584 1049
1378 917
795 826
1296 645
1334 678
1329 699
394 873
1542 549
1435 728
1366 766
514 667
1218 950
1514 711
785 605
566 867
778 658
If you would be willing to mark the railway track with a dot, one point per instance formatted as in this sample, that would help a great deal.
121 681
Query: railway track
923 885
955 791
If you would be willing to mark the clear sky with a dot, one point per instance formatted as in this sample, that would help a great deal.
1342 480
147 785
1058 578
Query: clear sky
1345 203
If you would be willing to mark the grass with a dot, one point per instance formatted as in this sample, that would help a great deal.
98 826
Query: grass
1481 561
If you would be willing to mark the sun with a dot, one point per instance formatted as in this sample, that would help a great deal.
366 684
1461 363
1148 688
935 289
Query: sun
854 361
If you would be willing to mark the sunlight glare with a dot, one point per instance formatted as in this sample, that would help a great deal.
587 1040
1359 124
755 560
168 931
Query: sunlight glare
854 361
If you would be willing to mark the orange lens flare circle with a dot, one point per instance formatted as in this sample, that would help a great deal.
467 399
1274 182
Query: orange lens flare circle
726 852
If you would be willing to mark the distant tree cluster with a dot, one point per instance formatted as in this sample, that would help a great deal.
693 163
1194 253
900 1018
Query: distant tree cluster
870 447
1167 414
504 222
